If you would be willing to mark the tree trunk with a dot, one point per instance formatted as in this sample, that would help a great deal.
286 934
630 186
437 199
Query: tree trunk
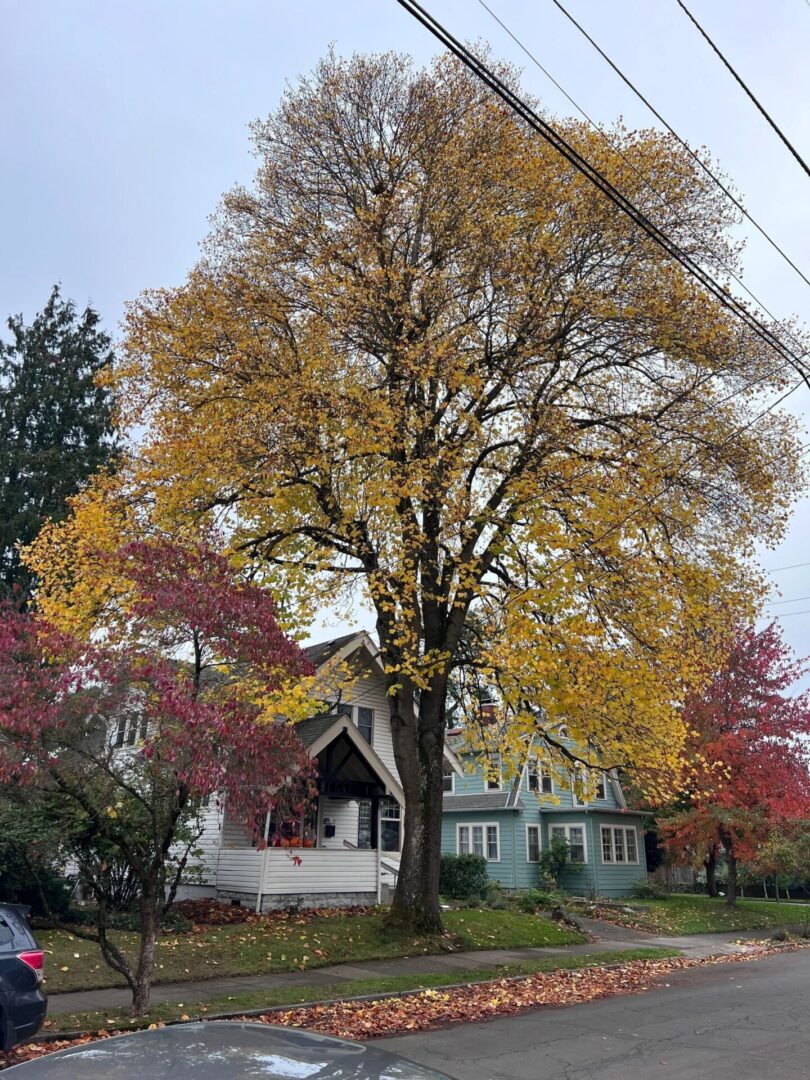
710 862
146 953
731 863
418 749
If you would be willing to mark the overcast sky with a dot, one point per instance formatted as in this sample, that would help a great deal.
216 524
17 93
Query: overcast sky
123 123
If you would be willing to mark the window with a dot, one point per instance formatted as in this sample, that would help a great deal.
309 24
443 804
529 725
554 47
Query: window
129 730
590 783
619 844
533 843
448 780
390 824
364 823
482 839
574 835
494 779
365 722
538 779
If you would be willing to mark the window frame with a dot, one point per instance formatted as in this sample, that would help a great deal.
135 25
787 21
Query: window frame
483 826
495 785
370 711
624 830
538 829
388 803
535 767
567 826
451 773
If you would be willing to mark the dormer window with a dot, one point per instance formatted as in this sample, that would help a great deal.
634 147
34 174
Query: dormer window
538 779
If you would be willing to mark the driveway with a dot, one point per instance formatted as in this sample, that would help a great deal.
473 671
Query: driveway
744 1021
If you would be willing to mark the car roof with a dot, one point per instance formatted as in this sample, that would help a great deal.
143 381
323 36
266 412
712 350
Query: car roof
217 1049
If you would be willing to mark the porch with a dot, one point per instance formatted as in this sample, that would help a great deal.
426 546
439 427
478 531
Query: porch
345 851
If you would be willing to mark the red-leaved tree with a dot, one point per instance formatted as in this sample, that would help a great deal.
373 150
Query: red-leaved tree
121 742
748 759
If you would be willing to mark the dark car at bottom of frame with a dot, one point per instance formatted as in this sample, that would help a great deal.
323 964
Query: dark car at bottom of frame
222 1050
23 1003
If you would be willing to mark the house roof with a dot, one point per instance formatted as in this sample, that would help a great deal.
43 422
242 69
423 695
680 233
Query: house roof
488 800
322 651
311 729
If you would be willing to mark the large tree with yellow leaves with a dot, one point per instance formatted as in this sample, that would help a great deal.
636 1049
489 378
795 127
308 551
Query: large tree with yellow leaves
424 363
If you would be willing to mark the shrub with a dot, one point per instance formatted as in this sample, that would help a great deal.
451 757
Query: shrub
555 859
532 899
463 876
647 889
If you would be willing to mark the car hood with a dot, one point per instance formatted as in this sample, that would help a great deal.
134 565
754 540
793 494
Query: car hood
222 1051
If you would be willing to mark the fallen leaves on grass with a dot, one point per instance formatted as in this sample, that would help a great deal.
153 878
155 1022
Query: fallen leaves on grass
401 1014
206 912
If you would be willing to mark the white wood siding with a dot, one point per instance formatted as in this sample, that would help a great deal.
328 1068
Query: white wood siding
369 691
239 870
208 845
295 871
344 814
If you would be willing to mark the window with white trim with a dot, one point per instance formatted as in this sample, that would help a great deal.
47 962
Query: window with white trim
590 782
619 844
483 839
365 723
390 825
130 729
448 780
538 778
533 843
574 836
494 778
601 786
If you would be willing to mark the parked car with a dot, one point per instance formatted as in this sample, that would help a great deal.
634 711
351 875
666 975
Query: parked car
23 1003
214 1050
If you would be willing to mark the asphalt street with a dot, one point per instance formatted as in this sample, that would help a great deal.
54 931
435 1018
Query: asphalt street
748 1021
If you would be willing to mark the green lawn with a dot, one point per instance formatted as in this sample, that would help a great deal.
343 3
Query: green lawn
297 995
291 945
703 915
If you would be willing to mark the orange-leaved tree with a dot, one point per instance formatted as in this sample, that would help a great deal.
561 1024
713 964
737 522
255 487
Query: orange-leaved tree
425 364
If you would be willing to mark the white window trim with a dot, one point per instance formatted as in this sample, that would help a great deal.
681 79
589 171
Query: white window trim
452 775
356 718
542 772
612 861
539 842
482 825
488 779
568 826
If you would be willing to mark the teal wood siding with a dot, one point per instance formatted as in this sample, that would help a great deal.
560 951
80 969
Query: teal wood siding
514 871
509 826
618 879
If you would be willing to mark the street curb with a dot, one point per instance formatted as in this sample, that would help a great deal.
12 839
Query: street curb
58 1036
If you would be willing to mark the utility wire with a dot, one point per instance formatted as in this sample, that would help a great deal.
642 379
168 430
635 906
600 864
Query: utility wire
785 614
749 92
644 179
557 141
797 565
709 172
794 600
566 150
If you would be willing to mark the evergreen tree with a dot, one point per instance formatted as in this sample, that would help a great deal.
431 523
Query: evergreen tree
56 425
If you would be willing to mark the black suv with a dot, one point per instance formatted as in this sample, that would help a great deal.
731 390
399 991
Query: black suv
22 1000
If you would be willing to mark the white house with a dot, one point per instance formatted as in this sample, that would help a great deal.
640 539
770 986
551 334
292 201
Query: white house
348 849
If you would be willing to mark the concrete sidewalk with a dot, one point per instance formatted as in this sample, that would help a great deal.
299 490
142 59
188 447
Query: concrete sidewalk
611 939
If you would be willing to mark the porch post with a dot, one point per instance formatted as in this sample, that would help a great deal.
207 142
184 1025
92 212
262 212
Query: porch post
263 866
375 809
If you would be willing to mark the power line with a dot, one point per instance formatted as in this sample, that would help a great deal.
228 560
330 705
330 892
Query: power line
797 565
794 600
785 614
567 151
644 179
729 194
750 93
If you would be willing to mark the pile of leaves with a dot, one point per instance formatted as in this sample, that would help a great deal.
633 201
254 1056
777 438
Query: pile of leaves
206 912
401 1015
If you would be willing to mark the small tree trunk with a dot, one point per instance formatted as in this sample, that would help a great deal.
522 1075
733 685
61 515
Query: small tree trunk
710 862
731 862
765 888
418 748
146 953
776 887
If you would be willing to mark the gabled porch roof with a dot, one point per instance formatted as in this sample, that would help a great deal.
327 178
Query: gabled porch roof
319 732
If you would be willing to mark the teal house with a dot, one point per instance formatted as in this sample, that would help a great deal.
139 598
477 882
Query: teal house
510 822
